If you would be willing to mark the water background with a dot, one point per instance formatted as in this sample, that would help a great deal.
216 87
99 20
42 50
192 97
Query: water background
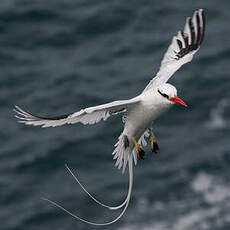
60 56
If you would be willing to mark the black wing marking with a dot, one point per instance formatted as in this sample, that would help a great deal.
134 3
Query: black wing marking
196 27
53 118
181 50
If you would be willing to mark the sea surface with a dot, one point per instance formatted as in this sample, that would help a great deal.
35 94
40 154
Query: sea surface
59 56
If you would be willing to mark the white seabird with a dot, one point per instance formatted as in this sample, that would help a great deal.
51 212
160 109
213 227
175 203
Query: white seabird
139 112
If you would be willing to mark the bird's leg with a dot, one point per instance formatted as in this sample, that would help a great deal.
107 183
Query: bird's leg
140 152
154 145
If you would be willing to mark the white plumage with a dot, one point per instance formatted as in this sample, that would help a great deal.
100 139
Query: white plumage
139 112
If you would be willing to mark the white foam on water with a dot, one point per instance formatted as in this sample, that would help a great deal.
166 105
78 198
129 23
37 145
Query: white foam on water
211 188
217 119
189 213
194 218
155 226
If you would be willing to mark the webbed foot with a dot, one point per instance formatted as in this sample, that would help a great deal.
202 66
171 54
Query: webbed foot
154 145
140 152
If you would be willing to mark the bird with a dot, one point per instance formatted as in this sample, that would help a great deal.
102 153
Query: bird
138 113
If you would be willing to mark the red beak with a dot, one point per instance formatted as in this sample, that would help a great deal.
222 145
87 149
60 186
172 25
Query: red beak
176 99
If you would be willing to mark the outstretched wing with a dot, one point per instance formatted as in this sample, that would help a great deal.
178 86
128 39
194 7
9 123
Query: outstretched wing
89 115
181 49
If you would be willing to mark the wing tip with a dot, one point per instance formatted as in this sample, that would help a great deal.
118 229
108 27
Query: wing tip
192 35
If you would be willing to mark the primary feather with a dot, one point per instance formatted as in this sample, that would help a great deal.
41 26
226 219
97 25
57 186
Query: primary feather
182 48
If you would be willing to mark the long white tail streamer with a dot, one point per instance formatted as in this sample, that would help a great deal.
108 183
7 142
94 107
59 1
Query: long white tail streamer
120 215
91 196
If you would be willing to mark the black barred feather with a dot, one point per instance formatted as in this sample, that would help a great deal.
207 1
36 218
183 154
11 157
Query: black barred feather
181 50
196 37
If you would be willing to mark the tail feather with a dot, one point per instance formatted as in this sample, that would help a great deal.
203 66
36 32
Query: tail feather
126 203
121 153
124 155
91 196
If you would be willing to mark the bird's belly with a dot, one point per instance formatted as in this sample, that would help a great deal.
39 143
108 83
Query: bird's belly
140 119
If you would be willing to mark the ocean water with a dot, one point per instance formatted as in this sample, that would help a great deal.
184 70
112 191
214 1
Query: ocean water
60 56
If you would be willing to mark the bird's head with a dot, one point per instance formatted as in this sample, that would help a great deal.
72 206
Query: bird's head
168 94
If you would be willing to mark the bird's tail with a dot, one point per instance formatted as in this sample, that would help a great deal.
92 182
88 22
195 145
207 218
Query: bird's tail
123 155
124 204
123 151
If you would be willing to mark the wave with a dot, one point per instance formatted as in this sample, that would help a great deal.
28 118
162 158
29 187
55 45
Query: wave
217 120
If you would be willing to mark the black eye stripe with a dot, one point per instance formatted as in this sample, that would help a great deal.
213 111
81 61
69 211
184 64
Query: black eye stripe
163 94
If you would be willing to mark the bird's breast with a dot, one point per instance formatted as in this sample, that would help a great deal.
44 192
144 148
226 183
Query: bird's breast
141 117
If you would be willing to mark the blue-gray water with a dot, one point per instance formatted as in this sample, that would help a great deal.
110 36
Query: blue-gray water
62 55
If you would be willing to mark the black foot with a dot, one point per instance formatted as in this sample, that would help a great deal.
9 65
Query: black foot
141 154
155 147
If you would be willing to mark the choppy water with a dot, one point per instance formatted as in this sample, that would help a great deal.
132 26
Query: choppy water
59 56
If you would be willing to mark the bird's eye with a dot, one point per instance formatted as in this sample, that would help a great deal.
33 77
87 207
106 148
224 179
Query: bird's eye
163 94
